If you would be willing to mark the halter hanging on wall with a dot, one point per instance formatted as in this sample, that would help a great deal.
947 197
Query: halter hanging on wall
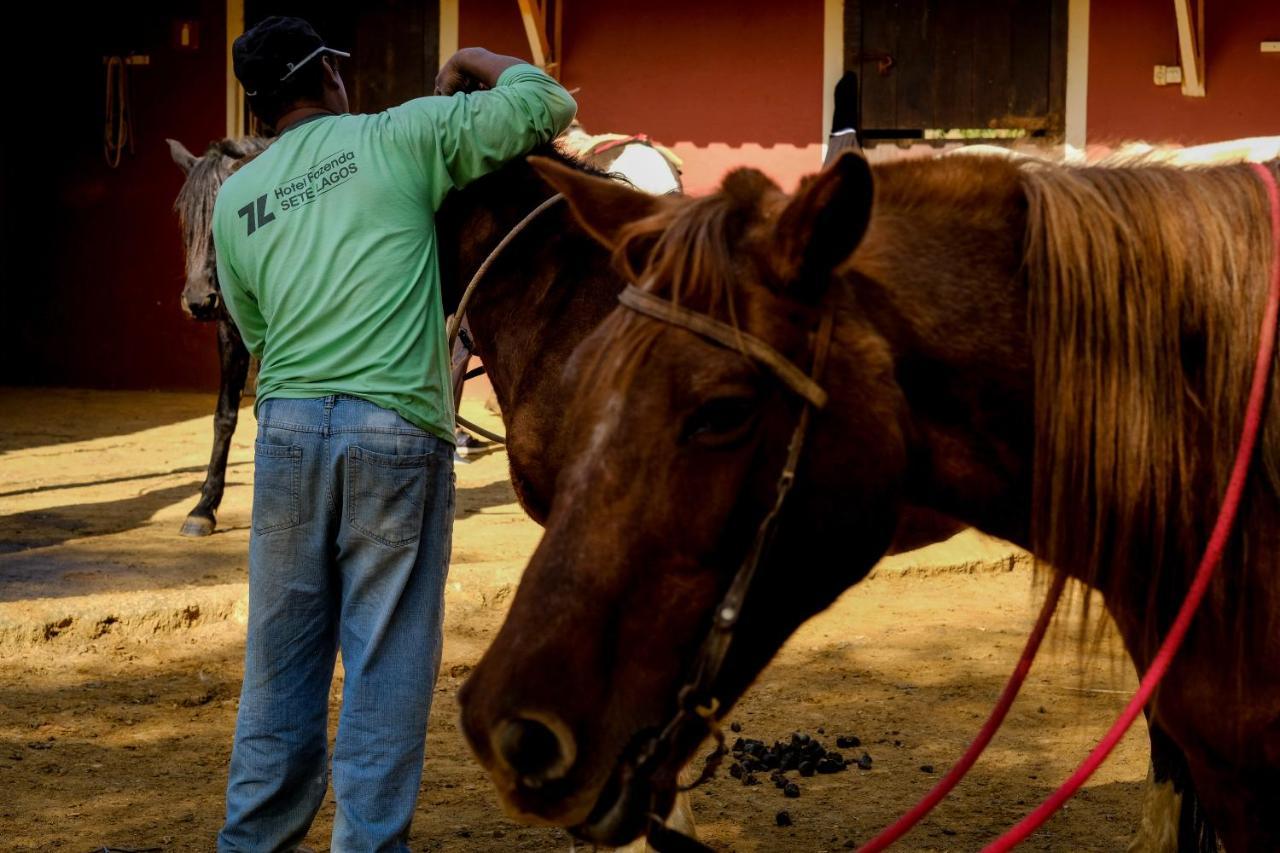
117 133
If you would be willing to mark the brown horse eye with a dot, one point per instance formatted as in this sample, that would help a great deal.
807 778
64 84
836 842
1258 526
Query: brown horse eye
721 420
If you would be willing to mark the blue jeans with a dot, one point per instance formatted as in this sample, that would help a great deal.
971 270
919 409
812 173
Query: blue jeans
352 521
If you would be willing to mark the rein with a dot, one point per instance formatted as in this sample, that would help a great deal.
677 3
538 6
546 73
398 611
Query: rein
644 302
455 319
1173 641
698 704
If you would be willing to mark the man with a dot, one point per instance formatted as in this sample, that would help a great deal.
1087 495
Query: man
328 264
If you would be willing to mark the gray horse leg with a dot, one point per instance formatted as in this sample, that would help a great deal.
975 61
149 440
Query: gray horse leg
234 360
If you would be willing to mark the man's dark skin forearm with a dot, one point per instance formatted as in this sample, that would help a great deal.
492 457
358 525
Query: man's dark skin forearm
471 69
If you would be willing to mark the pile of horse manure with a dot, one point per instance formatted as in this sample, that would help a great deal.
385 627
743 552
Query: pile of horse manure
801 753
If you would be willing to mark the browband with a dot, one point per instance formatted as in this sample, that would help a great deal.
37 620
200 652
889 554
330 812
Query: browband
644 302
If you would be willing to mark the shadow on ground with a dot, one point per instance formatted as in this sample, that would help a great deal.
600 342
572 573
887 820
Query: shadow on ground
110 481
476 499
41 528
40 417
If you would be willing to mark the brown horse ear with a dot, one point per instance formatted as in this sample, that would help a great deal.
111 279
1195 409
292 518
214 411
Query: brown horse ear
824 223
184 158
603 206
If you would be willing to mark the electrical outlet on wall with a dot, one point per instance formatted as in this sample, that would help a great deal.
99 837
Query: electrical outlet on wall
1167 75
1271 47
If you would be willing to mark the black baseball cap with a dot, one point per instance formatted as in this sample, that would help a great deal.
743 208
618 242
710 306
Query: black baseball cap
267 55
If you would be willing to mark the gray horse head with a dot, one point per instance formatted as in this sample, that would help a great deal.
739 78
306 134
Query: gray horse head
205 174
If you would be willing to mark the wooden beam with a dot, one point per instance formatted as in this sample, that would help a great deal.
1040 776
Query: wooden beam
448 29
557 43
1077 83
832 62
1191 46
235 98
534 17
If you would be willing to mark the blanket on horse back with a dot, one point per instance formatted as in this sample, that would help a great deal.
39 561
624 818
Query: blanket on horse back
647 165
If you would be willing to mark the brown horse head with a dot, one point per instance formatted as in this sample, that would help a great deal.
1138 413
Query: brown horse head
201 297
619 595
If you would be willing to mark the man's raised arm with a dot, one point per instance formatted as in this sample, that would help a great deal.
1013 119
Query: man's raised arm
472 69
496 108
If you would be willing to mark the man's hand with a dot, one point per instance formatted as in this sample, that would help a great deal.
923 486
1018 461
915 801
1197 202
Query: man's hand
472 69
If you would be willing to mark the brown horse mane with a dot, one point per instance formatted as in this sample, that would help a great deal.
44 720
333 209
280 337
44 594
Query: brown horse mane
691 245
1146 287
1146 291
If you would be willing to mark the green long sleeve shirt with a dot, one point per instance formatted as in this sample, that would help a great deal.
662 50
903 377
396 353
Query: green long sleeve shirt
326 245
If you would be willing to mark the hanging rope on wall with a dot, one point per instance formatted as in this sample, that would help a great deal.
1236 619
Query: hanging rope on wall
118 128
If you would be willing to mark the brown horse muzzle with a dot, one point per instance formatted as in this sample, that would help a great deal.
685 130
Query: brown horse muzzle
531 757
529 721
535 752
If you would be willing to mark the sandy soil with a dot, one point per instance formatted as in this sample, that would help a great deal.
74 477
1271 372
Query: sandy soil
121 644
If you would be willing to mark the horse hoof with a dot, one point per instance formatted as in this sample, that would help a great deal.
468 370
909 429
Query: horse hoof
197 526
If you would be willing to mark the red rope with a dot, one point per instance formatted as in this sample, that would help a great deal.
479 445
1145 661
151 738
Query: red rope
904 824
1212 555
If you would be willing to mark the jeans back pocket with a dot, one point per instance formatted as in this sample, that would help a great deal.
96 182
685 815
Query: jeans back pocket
277 479
386 495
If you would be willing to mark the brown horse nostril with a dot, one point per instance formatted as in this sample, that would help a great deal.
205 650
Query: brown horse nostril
537 751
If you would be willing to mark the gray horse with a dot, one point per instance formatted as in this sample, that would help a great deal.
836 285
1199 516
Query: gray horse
201 300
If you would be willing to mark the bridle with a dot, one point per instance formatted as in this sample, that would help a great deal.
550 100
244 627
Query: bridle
698 705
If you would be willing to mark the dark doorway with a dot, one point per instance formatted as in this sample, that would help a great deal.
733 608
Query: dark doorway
969 69
394 44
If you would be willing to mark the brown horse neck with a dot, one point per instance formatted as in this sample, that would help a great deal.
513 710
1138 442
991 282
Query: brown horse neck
938 277
546 291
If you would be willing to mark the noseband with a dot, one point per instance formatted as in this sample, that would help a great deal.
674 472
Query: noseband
698 704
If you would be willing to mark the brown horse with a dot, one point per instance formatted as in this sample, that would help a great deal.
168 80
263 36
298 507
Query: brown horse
1057 356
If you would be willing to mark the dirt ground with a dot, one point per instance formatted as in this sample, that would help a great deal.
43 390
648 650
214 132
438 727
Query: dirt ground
121 645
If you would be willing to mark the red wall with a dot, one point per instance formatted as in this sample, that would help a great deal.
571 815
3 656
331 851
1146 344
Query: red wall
93 263
1128 37
724 83
93 255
